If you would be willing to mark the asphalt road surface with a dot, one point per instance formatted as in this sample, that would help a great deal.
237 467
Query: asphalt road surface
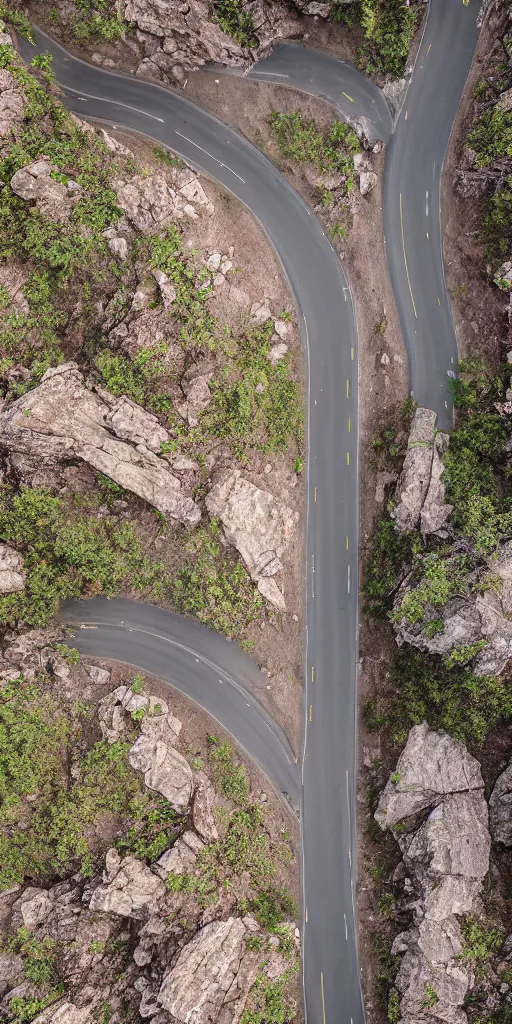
326 319
202 664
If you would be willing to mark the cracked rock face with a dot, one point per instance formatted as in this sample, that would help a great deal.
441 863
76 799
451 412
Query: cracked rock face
12 102
500 808
178 37
151 204
132 889
468 620
254 522
62 420
420 490
12 577
446 859
212 976
53 199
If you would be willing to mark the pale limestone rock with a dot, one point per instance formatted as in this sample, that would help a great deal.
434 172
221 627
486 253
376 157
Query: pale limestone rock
53 199
181 858
277 352
414 481
431 765
12 576
253 520
133 889
269 589
62 419
500 808
211 978
367 182
202 817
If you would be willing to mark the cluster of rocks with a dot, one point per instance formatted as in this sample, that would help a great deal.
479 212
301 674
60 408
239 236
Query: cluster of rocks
12 577
481 618
170 977
177 38
436 798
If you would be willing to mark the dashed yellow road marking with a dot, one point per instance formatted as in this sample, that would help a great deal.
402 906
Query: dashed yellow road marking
349 424
348 97
348 458
310 712
346 543
405 259
438 301
348 389
315 493
312 673
323 998
352 354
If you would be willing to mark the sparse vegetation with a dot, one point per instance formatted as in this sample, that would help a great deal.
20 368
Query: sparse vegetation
236 21
299 138
388 27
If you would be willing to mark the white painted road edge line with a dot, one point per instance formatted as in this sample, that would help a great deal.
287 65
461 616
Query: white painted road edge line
205 151
116 103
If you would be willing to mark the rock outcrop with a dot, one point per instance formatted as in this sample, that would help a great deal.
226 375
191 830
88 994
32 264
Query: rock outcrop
63 420
151 204
53 198
254 522
12 577
482 619
445 859
500 808
180 37
129 888
12 102
212 976
420 490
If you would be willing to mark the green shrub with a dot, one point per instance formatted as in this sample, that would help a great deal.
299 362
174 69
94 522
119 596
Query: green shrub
230 779
390 554
67 554
299 138
425 689
388 27
236 21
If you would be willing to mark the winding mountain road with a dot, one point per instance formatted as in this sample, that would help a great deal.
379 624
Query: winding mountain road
146 636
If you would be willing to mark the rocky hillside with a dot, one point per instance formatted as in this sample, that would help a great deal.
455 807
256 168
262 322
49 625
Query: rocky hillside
151 421
165 39
143 872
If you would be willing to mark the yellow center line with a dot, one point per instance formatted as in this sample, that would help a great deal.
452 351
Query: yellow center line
323 999
346 543
310 712
348 97
348 389
349 424
405 259
315 493
348 458
352 353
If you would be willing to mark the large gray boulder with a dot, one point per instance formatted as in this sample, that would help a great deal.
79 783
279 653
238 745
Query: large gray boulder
446 858
431 765
151 204
500 808
420 490
130 888
254 522
64 420
211 978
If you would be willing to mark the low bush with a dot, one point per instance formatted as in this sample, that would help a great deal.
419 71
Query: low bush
236 21
388 27
68 554
299 138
